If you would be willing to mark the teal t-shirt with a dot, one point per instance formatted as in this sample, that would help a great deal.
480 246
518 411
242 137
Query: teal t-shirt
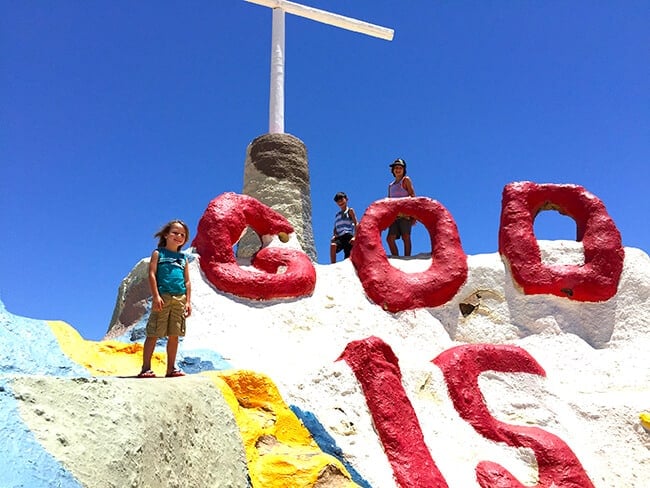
170 273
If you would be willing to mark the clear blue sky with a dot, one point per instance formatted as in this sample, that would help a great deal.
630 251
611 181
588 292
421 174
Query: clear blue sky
116 116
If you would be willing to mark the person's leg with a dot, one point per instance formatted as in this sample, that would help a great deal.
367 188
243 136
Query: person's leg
403 225
156 326
407 244
172 349
347 245
347 250
333 252
175 329
147 352
391 244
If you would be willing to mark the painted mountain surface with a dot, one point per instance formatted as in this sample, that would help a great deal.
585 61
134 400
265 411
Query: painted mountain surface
493 388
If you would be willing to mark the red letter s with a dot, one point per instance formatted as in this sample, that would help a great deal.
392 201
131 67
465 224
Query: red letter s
557 464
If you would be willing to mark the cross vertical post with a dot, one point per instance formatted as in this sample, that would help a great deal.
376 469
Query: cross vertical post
276 102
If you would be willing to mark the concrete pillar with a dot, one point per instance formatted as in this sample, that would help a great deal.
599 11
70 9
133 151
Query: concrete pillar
276 173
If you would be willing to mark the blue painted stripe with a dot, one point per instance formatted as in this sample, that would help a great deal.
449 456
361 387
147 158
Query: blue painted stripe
327 443
29 347
197 360
24 463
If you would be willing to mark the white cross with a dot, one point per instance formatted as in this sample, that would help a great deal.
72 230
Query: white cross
276 104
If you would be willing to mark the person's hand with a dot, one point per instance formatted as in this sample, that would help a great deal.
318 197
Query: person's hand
188 309
157 303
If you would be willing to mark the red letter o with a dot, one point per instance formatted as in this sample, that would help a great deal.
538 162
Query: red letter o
396 290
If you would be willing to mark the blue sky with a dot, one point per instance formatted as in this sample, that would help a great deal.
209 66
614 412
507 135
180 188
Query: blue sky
118 116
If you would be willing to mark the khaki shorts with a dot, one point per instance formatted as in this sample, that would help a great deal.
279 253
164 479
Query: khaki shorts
170 321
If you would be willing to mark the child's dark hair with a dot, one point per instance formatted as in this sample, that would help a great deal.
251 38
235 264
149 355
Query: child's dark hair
340 195
162 240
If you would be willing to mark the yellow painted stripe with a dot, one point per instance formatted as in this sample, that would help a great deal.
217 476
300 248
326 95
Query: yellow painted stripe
104 358
644 417
279 449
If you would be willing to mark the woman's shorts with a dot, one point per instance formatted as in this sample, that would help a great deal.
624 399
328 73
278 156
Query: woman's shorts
400 227
170 321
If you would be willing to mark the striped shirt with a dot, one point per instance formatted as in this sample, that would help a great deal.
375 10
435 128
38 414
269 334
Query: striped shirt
343 223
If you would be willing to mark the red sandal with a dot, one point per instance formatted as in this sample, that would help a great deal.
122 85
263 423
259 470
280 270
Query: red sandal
175 374
147 374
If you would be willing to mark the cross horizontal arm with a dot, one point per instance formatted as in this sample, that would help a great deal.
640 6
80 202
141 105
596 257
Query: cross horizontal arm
347 23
